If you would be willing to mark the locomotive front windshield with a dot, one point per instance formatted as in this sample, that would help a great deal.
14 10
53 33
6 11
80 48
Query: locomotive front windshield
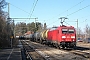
70 31
67 31
64 30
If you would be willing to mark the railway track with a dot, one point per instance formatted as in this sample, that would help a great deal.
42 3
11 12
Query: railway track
31 54
39 49
80 53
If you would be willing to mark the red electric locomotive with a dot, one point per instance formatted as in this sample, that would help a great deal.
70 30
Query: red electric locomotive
63 36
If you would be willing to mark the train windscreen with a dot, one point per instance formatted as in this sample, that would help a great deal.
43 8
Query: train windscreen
64 30
71 31
67 31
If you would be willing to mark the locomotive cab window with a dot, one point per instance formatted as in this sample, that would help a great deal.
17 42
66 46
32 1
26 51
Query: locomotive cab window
71 31
64 30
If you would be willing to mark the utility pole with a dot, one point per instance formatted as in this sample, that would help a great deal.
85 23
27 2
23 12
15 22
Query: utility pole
8 10
77 30
85 32
35 23
13 29
8 26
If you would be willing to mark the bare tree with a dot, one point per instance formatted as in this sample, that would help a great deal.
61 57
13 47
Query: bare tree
2 4
87 28
3 26
87 33
80 33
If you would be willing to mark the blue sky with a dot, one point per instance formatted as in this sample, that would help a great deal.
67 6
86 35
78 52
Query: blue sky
50 11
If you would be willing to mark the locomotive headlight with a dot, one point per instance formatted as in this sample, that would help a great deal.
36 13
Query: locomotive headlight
73 39
72 36
63 36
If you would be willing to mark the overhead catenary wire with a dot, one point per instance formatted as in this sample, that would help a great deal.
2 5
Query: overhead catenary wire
75 5
72 7
68 10
75 12
20 9
78 10
33 8
23 11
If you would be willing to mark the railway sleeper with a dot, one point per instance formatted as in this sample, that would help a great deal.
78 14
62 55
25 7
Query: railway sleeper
85 55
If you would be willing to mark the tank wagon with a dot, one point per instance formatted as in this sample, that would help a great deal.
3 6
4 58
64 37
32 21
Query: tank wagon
43 36
36 36
29 37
